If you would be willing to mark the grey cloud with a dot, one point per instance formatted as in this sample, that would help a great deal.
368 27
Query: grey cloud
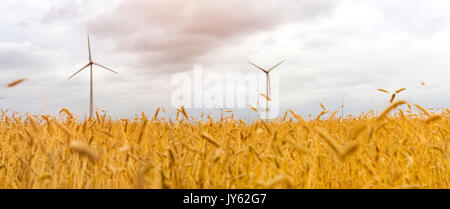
25 59
416 17
68 10
14 56
176 33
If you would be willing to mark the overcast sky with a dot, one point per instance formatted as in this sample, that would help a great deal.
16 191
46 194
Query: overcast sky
334 50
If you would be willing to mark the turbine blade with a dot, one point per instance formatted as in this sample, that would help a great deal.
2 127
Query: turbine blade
89 47
79 71
276 66
258 67
105 67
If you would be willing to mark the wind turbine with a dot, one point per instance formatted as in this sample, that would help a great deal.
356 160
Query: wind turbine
91 107
221 111
267 83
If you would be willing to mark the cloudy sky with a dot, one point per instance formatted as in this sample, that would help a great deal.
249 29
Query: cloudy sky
334 50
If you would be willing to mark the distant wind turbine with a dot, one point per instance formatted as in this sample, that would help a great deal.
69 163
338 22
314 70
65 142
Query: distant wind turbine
91 107
267 83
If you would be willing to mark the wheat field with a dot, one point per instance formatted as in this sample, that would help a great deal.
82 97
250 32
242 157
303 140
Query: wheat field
404 146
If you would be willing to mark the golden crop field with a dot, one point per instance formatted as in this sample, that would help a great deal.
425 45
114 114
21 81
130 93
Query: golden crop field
391 149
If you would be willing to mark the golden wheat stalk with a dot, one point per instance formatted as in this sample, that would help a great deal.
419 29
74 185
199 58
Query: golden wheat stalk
183 111
63 128
383 90
298 117
348 150
156 113
323 106
253 108
326 136
16 82
143 127
422 109
84 149
342 153
67 112
266 126
210 139
433 118
389 108
322 113
140 177
265 96
282 178
392 98
297 147
400 90
333 114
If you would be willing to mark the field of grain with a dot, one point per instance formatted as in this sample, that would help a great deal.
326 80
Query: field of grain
406 146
